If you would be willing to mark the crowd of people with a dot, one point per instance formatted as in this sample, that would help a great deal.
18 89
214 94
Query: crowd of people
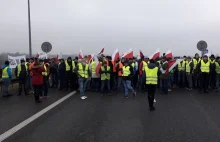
106 76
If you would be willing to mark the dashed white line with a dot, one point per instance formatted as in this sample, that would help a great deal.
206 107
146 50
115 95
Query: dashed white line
32 118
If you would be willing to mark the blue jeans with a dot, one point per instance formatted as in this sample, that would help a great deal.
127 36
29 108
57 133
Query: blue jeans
217 81
181 78
29 82
119 83
171 80
82 85
164 86
54 77
6 83
105 82
127 87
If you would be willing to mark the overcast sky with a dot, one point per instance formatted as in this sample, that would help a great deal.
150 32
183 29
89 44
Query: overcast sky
92 24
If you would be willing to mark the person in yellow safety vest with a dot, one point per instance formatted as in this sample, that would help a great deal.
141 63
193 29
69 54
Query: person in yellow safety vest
181 73
105 72
6 79
70 80
46 79
196 60
119 67
212 72
203 68
84 74
217 69
21 72
127 71
95 77
151 78
189 72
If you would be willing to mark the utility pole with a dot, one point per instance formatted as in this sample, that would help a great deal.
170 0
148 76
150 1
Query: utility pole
29 26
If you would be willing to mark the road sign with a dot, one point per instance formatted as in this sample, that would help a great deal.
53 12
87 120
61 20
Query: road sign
46 47
202 45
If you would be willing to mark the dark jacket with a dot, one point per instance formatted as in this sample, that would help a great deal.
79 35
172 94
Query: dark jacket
164 66
23 73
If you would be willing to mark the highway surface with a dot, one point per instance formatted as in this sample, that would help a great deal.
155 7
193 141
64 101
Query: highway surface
179 117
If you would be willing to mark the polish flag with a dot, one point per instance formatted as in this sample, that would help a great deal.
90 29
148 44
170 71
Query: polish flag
57 59
60 55
169 54
80 56
38 55
89 58
155 55
102 51
115 55
128 54
141 54
173 63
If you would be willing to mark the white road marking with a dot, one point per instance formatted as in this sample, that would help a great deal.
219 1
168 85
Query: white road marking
32 118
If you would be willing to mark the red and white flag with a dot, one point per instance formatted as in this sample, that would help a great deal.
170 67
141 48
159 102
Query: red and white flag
115 55
57 59
102 51
141 54
173 63
37 56
128 54
80 56
89 58
169 54
155 55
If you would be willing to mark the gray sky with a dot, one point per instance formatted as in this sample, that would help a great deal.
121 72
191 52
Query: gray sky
92 24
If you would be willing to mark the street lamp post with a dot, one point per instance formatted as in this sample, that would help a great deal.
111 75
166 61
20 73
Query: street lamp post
29 26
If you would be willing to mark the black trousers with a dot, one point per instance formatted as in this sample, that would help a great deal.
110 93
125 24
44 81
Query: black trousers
22 84
62 80
151 90
45 85
37 92
213 80
204 81
69 80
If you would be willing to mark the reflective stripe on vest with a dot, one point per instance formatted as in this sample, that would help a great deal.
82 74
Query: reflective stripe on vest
181 67
19 69
144 65
205 66
83 72
151 75
188 66
217 67
5 73
68 67
126 71
46 70
105 76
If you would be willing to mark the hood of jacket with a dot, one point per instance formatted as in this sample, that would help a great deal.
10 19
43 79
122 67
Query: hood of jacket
151 65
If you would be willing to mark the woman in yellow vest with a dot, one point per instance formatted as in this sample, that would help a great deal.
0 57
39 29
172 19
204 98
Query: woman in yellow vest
21 72
151 79
189 71
203 68
104 72
127 71
6 78
84 74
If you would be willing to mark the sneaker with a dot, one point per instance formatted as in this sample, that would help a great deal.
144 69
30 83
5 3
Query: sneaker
169 90
126 97
134 94
155 101
152 109
83 98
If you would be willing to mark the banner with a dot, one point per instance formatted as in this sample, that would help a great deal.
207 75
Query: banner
43 56
14 61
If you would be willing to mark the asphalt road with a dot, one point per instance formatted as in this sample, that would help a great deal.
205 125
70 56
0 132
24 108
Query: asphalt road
179 117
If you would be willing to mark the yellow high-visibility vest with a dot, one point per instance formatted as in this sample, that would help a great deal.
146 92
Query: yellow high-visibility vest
133 64
144 65
5 73
205 66
105 76
195 62
93 67
181 67
217 67
19 69
126 71
46 71
188 66
68 67
151 75
83 72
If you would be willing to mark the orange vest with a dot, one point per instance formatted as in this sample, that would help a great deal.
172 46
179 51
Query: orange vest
120 67
114 67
